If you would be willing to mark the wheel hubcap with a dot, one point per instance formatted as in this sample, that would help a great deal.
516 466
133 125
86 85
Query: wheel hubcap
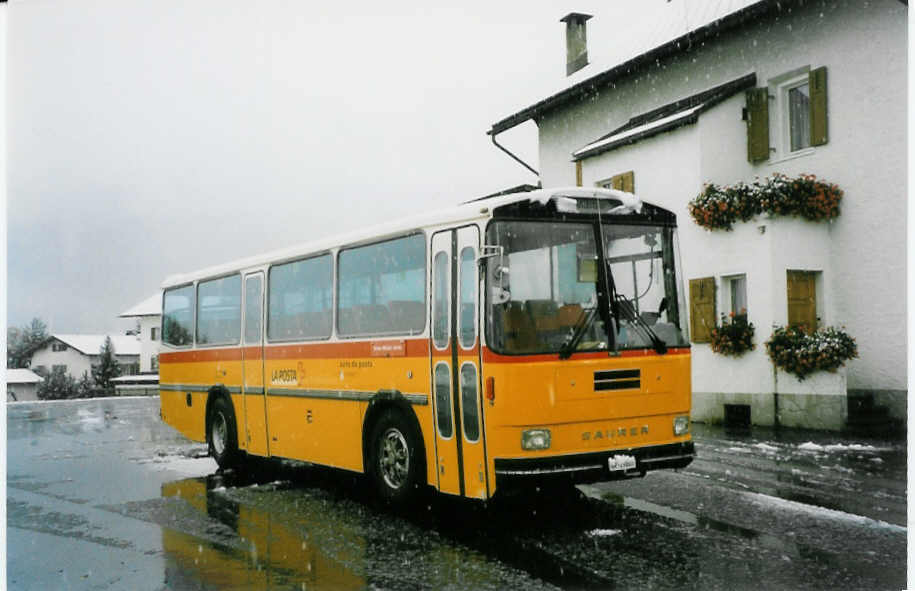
218 433
394 458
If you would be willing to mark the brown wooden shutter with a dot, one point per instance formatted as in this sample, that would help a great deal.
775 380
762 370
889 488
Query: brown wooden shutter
819 132
758 124
623 182
802 299
617 183
628 181
701 309
578 173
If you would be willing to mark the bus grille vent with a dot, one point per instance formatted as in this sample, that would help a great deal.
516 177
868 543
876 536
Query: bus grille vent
617 379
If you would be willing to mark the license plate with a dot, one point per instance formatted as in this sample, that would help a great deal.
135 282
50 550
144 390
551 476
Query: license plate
621 462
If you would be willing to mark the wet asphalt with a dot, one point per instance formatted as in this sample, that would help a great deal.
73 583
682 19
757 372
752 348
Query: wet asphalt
102 495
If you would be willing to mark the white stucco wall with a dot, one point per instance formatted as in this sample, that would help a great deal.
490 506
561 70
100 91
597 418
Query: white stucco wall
148 347
861 254
76 362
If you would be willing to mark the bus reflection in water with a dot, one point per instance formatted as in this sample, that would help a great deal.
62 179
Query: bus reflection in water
517 339
262 550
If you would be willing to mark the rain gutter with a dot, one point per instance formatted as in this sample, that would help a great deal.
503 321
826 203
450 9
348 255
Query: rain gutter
492 136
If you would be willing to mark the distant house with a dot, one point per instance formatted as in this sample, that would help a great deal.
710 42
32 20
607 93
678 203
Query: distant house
78 353
747 96
149 314
22 384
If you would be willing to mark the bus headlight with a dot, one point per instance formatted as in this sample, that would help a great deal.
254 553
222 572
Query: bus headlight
535 439
681 425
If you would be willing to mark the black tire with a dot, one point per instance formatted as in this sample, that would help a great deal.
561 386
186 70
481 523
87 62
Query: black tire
222 436
396 462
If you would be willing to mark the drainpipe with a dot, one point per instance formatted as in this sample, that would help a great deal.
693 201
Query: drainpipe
777 424
492 136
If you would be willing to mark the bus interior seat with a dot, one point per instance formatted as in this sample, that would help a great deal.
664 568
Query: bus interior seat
568 315
518 328
406 314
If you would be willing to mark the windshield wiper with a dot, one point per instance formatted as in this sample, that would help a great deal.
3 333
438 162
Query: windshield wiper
581 326
659 345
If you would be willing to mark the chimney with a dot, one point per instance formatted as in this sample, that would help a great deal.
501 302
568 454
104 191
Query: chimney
576 41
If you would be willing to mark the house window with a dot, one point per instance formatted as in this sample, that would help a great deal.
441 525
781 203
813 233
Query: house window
798 118
58 347
735 288
154 363
60 368
154 333
798 106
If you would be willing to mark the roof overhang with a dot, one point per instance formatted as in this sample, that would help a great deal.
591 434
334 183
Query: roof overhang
682 112
682 44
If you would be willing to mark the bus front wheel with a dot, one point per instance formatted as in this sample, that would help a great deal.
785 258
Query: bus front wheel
222 438
395 461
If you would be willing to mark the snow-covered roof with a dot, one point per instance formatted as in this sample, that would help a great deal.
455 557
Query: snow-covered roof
145 378
22 376
466 212
151 306
681 112
91 344
664 122
707 19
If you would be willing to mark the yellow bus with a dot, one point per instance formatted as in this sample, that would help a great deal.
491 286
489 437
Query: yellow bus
514 339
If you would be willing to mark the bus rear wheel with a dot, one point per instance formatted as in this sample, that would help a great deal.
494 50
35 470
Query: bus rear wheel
395 462
222 437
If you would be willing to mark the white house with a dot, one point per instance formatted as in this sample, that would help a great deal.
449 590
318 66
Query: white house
78 353
777 87
149 315
22 384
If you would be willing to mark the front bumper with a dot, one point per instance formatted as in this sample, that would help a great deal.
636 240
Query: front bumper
593 466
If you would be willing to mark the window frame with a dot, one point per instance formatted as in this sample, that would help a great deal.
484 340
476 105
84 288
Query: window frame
333 298
727 293
426 288
449 406
241 291
445 294
262 277
474 281
779 88
193 331
476 401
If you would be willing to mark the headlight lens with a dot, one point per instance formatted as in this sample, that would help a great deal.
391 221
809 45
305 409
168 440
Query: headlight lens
535 439
681 425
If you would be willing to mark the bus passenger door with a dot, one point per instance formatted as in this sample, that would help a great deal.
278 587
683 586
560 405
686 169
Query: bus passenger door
467 369
461 464
254 429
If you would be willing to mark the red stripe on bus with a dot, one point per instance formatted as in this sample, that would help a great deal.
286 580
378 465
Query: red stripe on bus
491 357
232 354
413 348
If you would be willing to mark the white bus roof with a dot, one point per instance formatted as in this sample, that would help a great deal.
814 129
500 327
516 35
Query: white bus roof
472 210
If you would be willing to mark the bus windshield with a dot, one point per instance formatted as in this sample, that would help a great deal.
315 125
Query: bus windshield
543 287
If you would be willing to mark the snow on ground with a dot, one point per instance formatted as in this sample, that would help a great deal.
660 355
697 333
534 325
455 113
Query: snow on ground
601 533
763 500
815 447
766 447
182 464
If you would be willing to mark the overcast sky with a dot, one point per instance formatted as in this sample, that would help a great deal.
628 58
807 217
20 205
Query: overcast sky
146 138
